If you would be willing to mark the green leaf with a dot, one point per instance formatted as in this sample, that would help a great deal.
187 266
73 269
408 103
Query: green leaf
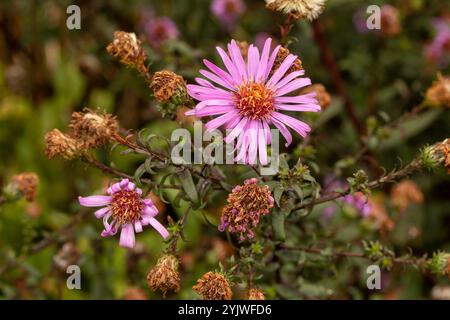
188 185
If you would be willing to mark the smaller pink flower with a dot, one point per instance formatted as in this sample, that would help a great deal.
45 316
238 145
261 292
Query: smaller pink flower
124 208
159 30
227 11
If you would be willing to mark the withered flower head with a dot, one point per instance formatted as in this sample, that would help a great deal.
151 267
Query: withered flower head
255 294
406 192
213 286
92 129
281 56
439 153
246 204
309 9
380 216
127 48
59 144
390 21
167 83
165 276
26 183
438 94
322 95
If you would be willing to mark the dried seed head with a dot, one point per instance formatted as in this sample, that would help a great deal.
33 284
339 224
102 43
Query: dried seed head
165 276
281 55
26 183
246 204
255 294
309 9
165 84
127 48
59 144
92 129
322 95
438 94
213 286
406 192
437 154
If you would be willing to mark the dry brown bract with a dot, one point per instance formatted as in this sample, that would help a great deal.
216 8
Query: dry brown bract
26 183
213 286
165 276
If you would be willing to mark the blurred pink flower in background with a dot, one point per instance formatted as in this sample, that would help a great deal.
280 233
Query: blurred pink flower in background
438 50
159 30
227 11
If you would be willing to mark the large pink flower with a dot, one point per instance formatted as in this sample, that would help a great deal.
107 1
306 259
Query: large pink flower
247 97
124 207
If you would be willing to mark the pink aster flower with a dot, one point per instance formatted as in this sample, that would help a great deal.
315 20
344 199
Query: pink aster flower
247 97
227 11
160 30
124 207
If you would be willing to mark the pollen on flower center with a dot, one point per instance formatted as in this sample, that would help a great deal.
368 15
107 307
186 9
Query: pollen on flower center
255 100
126 206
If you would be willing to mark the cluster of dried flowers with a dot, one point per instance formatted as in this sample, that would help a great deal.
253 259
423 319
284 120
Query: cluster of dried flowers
88 130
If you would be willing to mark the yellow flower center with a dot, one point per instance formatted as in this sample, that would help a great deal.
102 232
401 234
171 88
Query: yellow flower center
255 100
126 206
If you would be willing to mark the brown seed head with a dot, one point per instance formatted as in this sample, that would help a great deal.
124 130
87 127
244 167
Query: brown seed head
26 183
59 144
255 294
406 192
92 129
438 94
213 286
166 83
165 276
298 9
127 48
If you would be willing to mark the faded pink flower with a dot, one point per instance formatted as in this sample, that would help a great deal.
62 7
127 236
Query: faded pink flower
159 30
247 98
438 51
227 11
124 207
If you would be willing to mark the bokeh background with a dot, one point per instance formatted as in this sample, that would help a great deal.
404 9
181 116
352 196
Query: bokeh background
48 71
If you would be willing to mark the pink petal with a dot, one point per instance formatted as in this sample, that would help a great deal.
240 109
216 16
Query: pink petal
271 61
285 65
300 127
236 130
138 226
94 201
219 72
211 111
127 238
264 60
229 65
262 144
284 131
298 107
217 122
211 76
238 61
304 98
291 76
101 212
159 227
292 86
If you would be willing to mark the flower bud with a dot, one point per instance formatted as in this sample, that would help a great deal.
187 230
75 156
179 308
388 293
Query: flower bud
165 276
440 263
213 286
